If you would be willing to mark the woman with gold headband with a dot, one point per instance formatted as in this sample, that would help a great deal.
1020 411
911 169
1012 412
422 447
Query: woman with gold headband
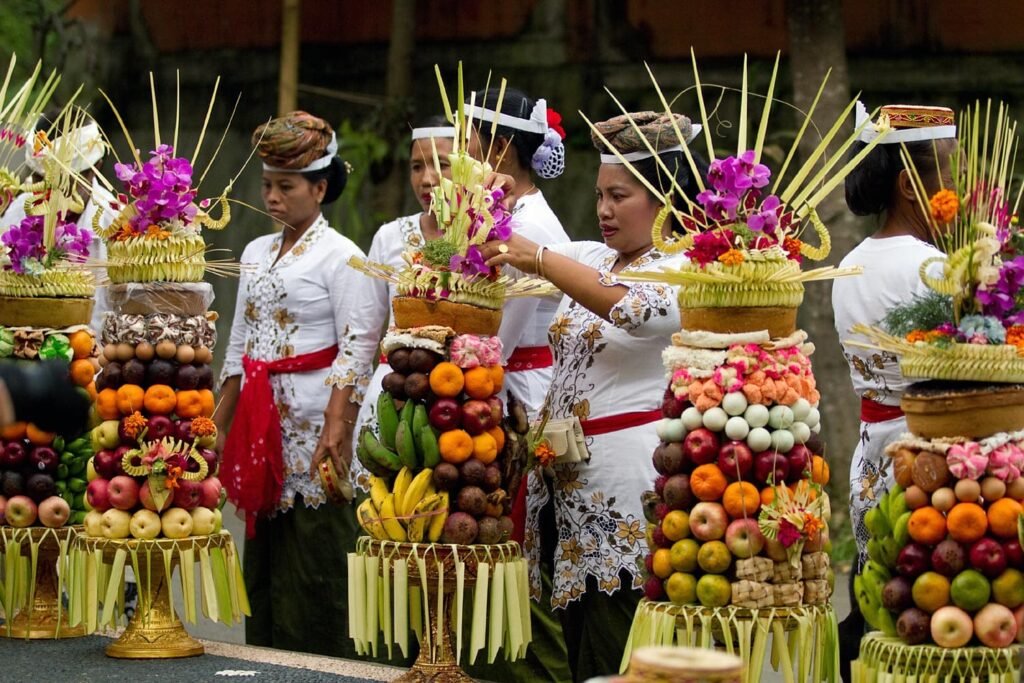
891 257
289 340
606 339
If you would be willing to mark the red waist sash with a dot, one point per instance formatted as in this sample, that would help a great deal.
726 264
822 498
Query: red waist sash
530 358
615 423
873 411
253 466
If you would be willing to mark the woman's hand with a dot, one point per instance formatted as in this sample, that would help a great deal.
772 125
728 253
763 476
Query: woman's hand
335 442
517 252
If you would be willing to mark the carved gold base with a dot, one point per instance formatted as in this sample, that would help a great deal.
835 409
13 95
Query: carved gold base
437 663
44 620
155 632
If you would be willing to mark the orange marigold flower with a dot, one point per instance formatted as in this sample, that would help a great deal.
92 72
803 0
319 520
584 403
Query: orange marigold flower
545 454
812 525
733 257
172 477
1015 337
944 206
156 232
203 426
134 424
792 246
916 336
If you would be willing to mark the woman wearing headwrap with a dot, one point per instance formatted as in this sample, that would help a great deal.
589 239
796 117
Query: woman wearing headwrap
289 338
607 338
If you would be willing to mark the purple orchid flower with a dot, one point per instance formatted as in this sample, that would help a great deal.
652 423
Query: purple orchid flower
471 265
767 218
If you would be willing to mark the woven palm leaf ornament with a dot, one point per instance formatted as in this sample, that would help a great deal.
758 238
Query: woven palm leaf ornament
156 233
743 234
971 325
469 212
45 255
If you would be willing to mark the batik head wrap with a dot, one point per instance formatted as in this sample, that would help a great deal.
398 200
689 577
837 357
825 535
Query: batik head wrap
656 128
297 142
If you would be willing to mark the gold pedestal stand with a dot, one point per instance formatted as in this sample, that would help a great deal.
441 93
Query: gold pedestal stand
45 619
437 663
155 631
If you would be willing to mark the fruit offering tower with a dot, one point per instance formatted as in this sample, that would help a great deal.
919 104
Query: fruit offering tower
439 461
153 488
738 516
944 583
46 300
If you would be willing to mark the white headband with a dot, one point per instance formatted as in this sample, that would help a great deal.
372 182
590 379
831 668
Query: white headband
872 131
317 165
537 123
433 132
87 145
695 130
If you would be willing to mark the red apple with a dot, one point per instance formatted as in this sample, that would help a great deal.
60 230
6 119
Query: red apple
146 498
445 414
995 625
799 458
210 492
476 416
123 492
1014 553
987 556
13 455
497 411
653 590
160 426
744 539
21 511
1018 615
54 512
913 560
43 459
107 463
708 521
951 627
98 495
188 494
770 467
212 460
183 431
701 446
735 460
3 506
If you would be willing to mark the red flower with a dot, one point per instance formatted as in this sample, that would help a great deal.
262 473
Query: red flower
555 123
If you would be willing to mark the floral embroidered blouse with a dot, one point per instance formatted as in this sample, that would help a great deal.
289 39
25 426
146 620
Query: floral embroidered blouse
298 305
603 369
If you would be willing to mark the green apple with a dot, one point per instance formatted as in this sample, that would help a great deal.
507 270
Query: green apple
218 521
90 471
107 435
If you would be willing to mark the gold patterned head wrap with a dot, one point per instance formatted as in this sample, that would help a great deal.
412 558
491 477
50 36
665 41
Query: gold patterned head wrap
656 128
297 142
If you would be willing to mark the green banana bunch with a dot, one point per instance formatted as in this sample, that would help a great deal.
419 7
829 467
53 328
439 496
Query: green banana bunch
420 420
371 465
868 603
901 531
370 520
387 419
378 452
429 448
406 444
